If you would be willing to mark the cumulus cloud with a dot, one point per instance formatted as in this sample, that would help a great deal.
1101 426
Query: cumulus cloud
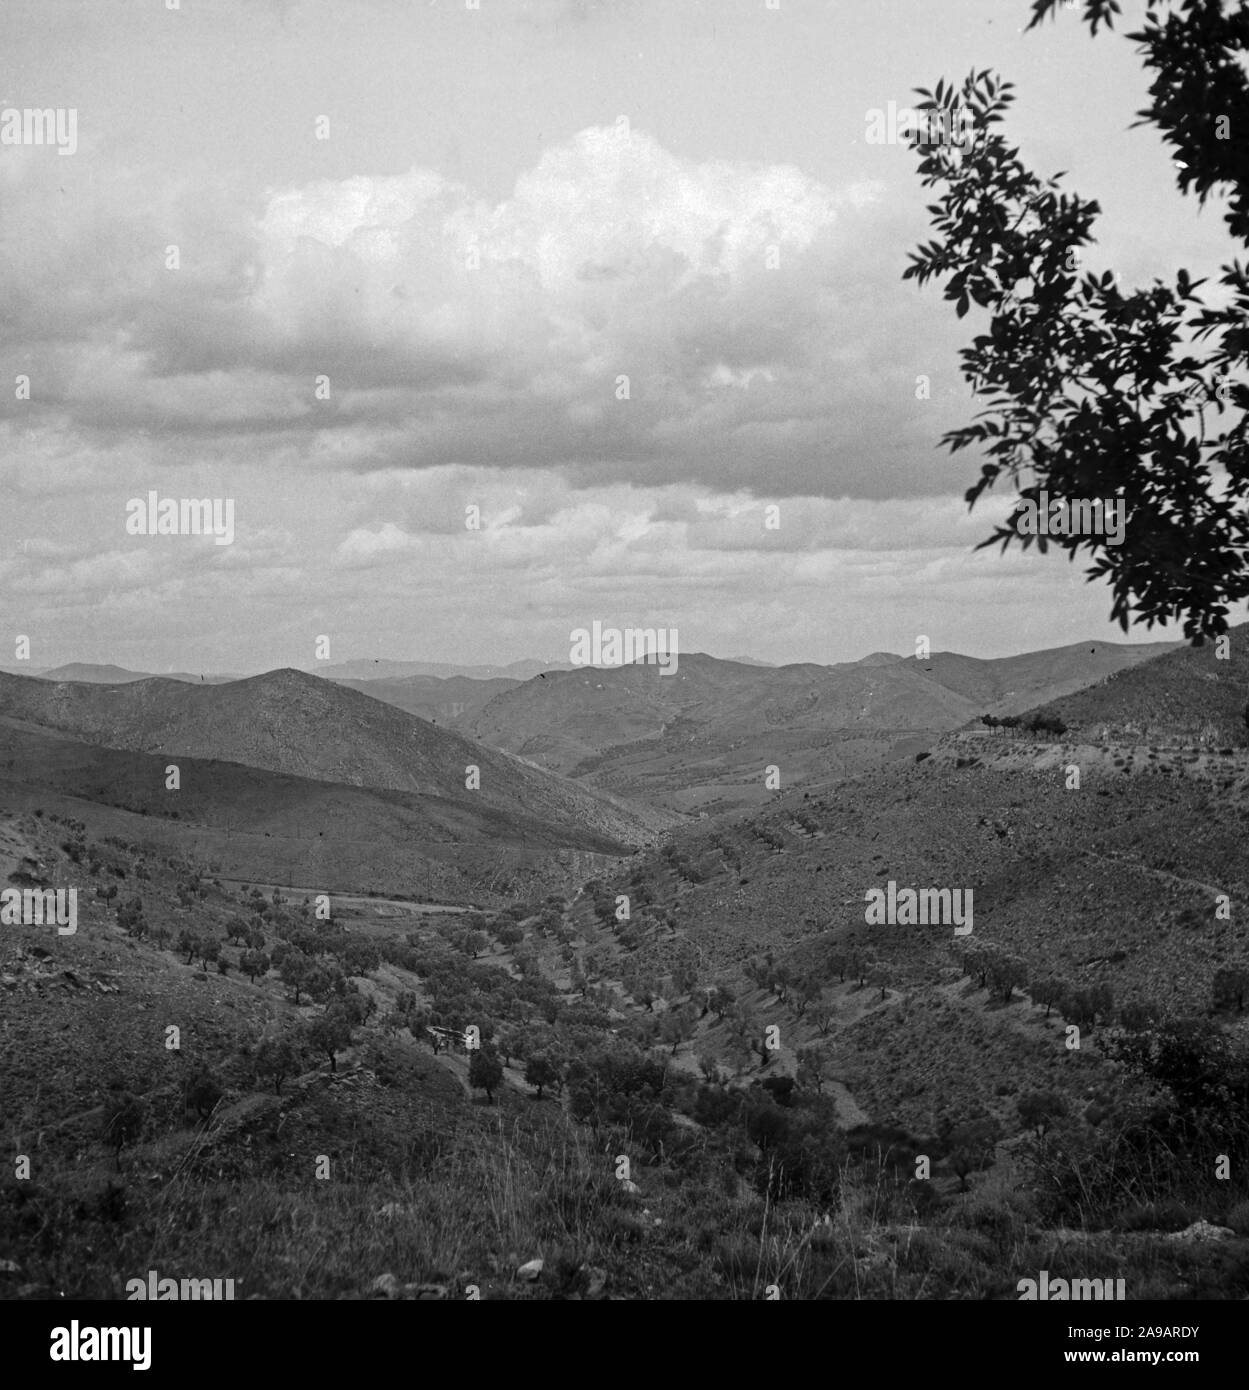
473 352
626 314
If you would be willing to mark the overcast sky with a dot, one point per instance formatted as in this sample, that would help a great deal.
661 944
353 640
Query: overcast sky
474 256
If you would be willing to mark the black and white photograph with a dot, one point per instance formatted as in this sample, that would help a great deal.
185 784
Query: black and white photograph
624 666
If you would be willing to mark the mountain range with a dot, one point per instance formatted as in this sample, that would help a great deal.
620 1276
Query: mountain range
619 752
700 738
304 731
742 926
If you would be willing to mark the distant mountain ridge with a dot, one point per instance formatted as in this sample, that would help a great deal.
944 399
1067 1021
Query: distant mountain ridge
368 669
103 673
716 724
95 674
1009 684
695 739
440 699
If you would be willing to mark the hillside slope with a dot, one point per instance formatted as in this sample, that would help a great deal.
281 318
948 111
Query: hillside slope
265 826
296 724
1188 696
701 738
1007 685
1113 884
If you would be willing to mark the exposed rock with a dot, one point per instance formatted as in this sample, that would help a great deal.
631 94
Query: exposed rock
427 1293
1202 1231
385 1286
530 1271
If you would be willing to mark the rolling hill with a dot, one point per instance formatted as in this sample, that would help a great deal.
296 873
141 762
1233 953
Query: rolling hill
96 674
440 699
1187 696
299 725
265 826
1113 883
380 668
1011 684
701 738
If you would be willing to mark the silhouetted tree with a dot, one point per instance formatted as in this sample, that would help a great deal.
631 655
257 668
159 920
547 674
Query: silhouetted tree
721 1000
780 981
295 970
1048 991
822 1016
675 1026
971 1147
1005 973
253 963
1039 1109
710 1068
540 1071
1094 391
277 1057
330 1032
485 1072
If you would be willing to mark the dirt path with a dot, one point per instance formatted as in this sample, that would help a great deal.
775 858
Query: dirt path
849 1112
402 905
1159 873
